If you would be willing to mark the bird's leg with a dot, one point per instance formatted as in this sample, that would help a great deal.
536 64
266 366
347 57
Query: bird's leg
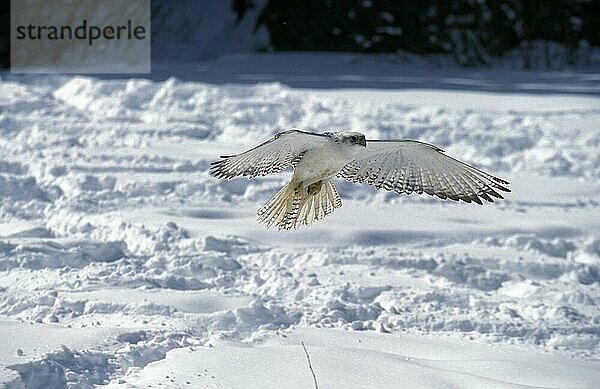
314 188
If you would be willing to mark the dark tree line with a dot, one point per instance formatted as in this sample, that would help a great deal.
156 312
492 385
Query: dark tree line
473 31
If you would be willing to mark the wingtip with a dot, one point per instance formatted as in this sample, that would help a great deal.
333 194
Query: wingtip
501 181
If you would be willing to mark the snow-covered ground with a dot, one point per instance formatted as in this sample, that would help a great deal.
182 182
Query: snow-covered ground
122 262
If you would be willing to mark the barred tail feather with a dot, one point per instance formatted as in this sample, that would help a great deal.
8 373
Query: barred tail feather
277 207
295 207
318 205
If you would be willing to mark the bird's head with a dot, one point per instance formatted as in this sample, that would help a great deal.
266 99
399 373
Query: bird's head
349 137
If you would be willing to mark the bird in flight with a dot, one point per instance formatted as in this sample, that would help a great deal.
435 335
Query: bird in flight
402 166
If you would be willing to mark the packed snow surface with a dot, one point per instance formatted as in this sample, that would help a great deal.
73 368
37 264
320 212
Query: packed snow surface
122 262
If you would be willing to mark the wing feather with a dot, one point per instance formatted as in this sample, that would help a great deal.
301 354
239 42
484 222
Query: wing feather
407 166
283 150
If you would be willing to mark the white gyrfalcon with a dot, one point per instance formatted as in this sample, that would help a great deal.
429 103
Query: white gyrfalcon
402 166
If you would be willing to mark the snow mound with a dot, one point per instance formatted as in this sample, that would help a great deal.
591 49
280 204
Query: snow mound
25 189
68 368
49 254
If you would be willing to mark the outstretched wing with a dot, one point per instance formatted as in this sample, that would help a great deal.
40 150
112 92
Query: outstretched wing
272 156
410 166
